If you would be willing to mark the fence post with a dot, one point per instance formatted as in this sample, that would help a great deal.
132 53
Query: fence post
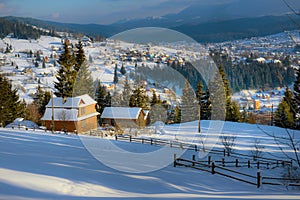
236 163
248 163
151 141
283 163
224 153
171 144
116 137
257 164
213 168
258 179
223 162
209 159
174 163
291 163
194 158
276 163
142 140
196 149
130 138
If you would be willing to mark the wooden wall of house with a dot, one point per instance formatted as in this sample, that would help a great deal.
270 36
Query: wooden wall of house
87 110
61 125
87 125
70 126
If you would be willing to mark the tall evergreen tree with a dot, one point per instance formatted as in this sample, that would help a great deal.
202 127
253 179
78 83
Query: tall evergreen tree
65 75
232 109
123 70
101 98
126 93
11 107
296 99
116 79
42 99
206 105
189 104
84 83
139 98
284 116
80 57
157 111
177 115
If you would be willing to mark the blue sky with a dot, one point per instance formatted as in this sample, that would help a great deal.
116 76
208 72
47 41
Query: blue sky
100 11
89 11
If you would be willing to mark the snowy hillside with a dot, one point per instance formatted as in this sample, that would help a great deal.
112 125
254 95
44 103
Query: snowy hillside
39 165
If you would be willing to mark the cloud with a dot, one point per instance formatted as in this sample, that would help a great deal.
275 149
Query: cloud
2 6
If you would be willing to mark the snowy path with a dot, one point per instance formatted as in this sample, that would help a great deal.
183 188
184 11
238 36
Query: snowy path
43 166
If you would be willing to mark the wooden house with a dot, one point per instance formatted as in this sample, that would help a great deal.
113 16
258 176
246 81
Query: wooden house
124 117
73 114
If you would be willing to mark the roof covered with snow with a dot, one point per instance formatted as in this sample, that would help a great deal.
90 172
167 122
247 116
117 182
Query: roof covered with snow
121 113
61 114
71 102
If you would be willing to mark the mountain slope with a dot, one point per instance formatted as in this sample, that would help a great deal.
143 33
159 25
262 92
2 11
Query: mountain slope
213 31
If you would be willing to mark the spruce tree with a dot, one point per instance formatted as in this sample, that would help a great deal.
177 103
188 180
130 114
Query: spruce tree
116 79
206 105
232 109
189 104
42 99
11 107
177 115
65 76
157 111
123 70
84 83
101 98
139 98
108 100
295 106
284 115
80 56
126 93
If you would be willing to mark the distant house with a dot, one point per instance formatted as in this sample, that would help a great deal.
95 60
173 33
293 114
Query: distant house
72 114
124 117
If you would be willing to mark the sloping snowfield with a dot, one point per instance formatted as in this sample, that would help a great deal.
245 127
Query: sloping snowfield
38 165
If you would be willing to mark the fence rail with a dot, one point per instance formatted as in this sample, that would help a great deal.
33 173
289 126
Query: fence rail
260 161
257 179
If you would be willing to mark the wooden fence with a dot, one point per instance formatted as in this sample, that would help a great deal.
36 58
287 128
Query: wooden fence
260 161
257 179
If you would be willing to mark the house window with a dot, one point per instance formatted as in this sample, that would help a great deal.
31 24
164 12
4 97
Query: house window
82 111
83 123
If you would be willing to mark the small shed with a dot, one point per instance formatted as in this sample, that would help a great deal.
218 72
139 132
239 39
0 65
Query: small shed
124 117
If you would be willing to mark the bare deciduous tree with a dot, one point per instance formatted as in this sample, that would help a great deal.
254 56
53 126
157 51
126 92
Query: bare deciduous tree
257 150
228 142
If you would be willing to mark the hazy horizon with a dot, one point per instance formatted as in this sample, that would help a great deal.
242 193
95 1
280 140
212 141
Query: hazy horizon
110 11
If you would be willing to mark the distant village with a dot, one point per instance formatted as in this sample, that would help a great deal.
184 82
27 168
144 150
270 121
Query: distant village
30 64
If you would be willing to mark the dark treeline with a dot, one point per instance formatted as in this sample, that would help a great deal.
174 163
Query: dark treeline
253 74
21 30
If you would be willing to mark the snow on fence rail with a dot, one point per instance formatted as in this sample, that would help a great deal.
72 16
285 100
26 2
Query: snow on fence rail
212 168
260 161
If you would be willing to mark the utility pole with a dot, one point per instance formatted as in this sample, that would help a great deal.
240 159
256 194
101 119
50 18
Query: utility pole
52 117
199 121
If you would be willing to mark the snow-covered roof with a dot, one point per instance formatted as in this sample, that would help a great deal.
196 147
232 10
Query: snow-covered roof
71 102
20 122
61 114
121 113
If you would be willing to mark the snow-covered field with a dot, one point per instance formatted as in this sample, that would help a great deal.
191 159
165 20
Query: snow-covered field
39 165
